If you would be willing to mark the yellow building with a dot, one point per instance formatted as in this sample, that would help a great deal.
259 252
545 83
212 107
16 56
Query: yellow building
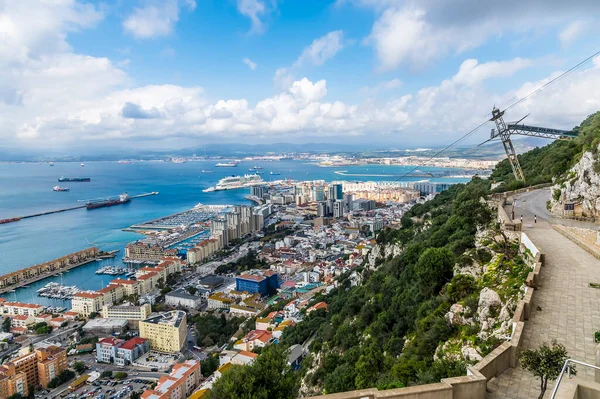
51 362
12 381
85 303
113 293
166 332
130 287
127 312
18 308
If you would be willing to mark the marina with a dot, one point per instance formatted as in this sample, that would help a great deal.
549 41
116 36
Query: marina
115 270
58 291
199 215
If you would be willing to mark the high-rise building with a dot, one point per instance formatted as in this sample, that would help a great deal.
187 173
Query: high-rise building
257 191
349 202
338 208
166 332
322 209
318 193
219 231
336 191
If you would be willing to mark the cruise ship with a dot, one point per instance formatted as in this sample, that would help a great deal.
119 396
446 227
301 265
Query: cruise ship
226 165
233 182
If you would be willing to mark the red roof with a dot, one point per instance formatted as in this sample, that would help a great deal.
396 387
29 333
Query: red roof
122 281
90 295
147 276
110 341
23 305
132 343
108 288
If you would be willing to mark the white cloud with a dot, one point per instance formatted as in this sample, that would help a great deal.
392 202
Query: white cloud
283 79
157 18
322 49
392 84
572 32
255 10
249 63
471 72
53 97
167 52
415 33
124 63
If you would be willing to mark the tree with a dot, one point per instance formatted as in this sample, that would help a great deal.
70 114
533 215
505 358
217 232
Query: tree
120 375
191 289
79 367
6 324
106 374
93 315
135 395
546 362
60 379
209 365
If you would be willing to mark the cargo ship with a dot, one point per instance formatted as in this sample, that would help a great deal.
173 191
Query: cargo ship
59 188
2 221
75 179
122 199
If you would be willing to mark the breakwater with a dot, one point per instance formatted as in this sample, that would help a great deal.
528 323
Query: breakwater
35 273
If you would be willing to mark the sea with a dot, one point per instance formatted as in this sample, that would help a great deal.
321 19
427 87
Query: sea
26 188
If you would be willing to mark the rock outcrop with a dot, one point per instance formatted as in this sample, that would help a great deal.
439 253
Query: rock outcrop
582 186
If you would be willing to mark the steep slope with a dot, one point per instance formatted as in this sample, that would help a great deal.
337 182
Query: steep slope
435 295
580 185
543 165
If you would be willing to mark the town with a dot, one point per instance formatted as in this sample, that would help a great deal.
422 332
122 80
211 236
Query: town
259 268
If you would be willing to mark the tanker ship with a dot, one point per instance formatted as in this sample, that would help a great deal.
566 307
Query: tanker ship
76 179
121 199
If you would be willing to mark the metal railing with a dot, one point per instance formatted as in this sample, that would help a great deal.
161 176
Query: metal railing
568 370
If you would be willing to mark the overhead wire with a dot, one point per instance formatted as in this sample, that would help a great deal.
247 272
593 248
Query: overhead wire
514 104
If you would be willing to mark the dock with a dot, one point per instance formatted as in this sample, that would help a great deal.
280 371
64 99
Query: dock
23 277
75 207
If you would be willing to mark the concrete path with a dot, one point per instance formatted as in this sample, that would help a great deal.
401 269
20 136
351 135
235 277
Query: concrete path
570 309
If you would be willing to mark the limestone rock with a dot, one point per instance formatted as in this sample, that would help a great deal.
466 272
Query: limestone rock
488 299
470 354
582 186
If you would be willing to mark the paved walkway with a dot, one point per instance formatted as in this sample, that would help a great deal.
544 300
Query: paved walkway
570 309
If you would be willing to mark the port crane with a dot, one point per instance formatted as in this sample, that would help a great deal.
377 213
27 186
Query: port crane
504 130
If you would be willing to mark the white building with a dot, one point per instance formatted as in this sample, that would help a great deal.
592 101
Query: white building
183 299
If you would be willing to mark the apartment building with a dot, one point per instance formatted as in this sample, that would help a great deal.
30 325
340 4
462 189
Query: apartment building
51 361
18 308
147 251
112 293
165 332
130 287
127 312
11 381
180 384
86 303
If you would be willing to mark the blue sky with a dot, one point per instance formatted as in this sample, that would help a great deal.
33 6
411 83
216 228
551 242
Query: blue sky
175 73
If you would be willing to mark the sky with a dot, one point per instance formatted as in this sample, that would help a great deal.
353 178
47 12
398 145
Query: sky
81 75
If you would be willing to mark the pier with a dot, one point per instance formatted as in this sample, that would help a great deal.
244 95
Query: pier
75 207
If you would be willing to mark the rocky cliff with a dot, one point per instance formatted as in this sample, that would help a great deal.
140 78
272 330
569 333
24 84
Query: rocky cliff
581 187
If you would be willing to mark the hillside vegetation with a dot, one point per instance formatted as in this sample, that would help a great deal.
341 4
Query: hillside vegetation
366 338
544 164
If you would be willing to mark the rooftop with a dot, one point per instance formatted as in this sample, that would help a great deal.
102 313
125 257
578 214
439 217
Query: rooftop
133 342
23 305
89 295
250 277
182 294
172 318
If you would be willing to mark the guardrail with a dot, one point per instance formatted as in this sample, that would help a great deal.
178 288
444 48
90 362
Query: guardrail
567 369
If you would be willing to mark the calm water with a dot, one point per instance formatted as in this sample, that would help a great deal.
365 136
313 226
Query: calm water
27 188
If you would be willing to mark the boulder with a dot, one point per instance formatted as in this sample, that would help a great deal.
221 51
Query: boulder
488 299
470 354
